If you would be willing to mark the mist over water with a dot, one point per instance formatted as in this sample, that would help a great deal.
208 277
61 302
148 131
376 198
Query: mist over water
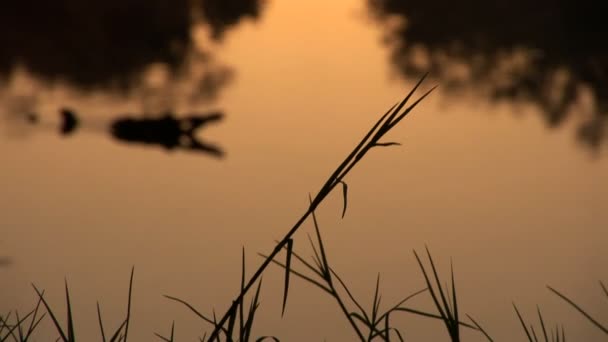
496 170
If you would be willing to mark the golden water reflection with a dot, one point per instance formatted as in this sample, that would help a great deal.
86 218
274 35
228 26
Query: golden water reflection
515 206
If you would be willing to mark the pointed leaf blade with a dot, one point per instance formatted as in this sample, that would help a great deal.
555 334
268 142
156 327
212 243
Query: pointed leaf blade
345 196
287 272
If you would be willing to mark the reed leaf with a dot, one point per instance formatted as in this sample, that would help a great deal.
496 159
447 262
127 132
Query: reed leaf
50 311
287 272
345 196
373 136
579 309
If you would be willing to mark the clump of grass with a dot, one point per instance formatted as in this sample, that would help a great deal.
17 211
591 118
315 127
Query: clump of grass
69 334
603 328
371 140
233 332
367 324
553 335
373 323
448 306
20 330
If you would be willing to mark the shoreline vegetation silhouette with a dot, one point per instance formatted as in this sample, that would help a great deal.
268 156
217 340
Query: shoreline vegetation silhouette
237 323
143 49
554 57
108 43
550 53
167 130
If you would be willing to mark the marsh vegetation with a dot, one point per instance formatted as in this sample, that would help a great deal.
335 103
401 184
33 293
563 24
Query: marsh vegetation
373 323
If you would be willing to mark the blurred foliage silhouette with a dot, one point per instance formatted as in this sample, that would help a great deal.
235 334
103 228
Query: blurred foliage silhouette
168 130
550 52
106 42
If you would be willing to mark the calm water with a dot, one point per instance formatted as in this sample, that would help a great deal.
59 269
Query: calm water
516 205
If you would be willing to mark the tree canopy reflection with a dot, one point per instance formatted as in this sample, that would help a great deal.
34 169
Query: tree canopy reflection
107 42
550 52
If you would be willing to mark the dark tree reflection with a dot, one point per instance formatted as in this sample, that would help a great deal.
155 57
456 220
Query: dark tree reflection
550 52
107 42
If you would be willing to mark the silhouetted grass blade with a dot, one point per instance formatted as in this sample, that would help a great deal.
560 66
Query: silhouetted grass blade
438 282
430 315
350 295
579 309
523 323
19 327
347 161
117 336
240 304
376 303
231 322
448 307
410 108
542 324
387 327
71 336
287 272
533 333
324 262
50 311
399 335
361 318
391 117
317 258
103 334
120 334
382 126
252 310
16 326
171 337
483 331
345 196
263 338
189 306
386 144
454 301
4 323
128 319
216 325
301 275
34 323
304 262
432 292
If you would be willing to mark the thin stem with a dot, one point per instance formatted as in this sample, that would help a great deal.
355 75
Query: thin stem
382 126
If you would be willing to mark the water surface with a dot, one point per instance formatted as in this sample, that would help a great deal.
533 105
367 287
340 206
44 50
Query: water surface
487 184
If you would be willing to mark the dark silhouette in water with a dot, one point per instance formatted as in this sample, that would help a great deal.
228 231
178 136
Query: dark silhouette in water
168 131
69 122
107 42
541 51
